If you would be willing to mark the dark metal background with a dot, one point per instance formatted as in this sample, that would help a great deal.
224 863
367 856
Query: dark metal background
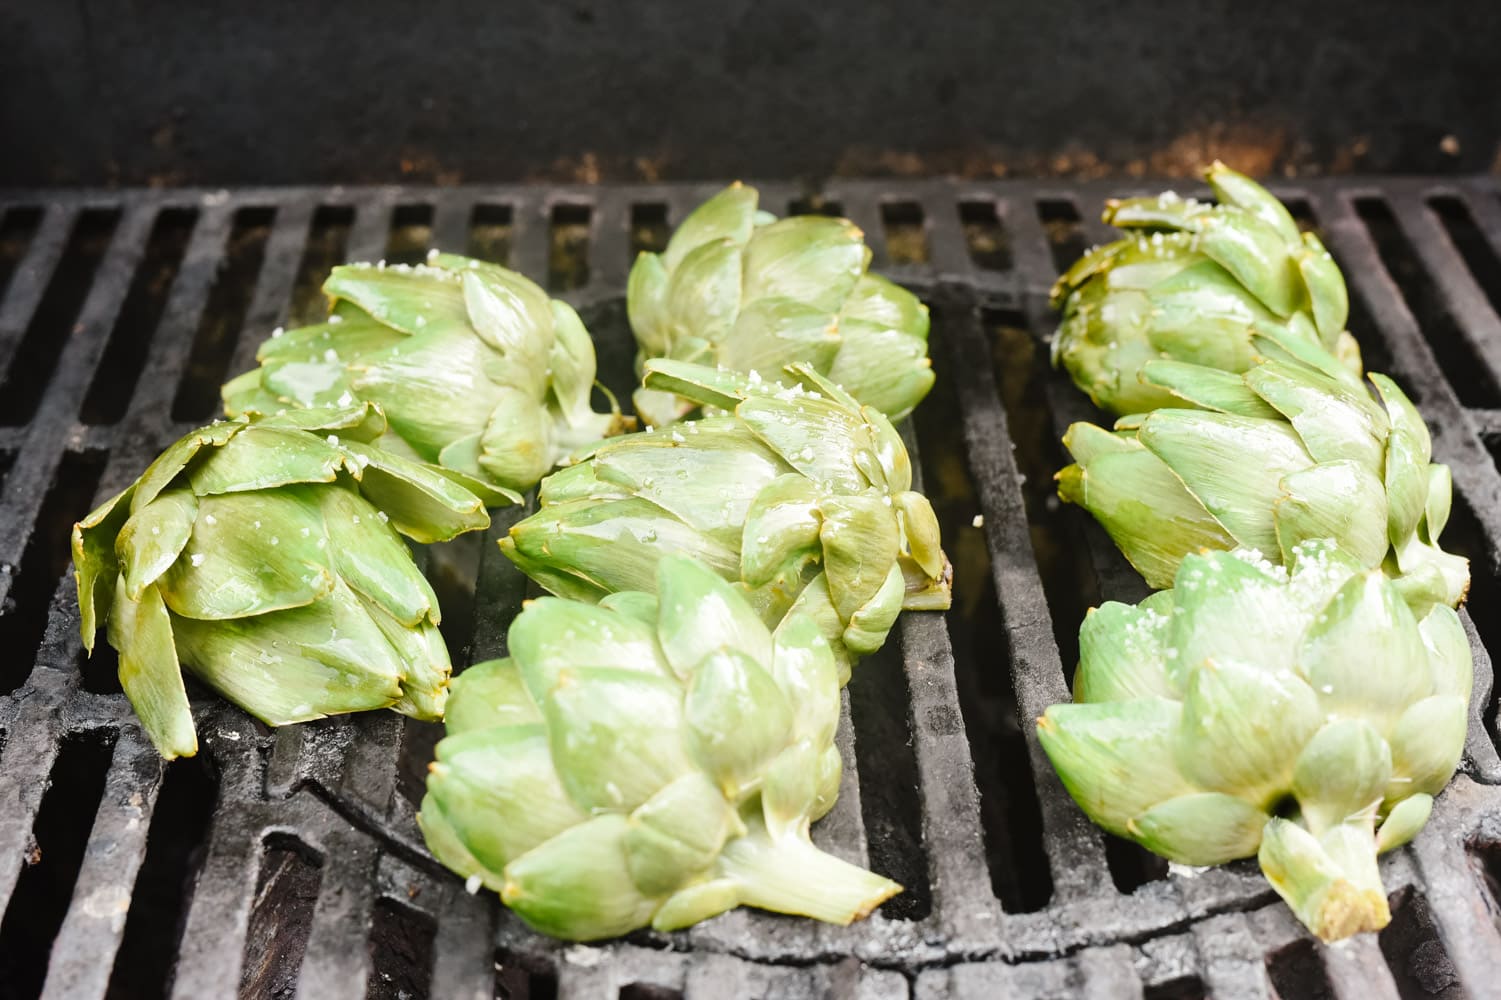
294 852
216 92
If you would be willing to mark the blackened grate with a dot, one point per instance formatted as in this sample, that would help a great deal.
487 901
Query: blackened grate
288 864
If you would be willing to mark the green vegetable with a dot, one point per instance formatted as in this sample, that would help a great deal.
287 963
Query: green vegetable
1190 284
652 760
477 370
798 493
1292 449
264 557
739 289
1306 717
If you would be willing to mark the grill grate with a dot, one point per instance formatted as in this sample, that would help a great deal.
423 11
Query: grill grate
288 863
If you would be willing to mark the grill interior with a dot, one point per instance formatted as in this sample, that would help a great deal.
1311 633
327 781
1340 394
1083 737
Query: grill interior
287 863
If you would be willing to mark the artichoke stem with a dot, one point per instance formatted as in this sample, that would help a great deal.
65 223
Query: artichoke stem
789 875
1331 882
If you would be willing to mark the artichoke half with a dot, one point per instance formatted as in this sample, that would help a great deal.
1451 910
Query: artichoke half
265 558
738 288
798 494
1190 285
650 760
1315 739
477 370
1292 449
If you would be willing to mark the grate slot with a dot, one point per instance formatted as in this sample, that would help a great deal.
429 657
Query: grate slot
649 991
411 234
18 226
490 233
281 918
1065 231
890 806
401 952
649 228
60 838
1008 798
906 232
984 235
1480 255
568 247
197 399
518 980
1297 973
175 846
1473 380
1416 956
813 204
120 368
1075 853
1180 988
46 559
324 250
53 322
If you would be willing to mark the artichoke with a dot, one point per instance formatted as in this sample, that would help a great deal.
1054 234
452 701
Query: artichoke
798 493
1293 449
739 289
477 370
652 760
264 557
1315 738
1189 285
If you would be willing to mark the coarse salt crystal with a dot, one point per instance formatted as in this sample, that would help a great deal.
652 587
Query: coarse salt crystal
978 521
472 884
196 559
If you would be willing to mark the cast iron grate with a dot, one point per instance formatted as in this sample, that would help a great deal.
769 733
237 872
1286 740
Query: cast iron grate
288 864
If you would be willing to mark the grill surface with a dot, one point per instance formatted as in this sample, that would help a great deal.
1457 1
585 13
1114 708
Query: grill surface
288 863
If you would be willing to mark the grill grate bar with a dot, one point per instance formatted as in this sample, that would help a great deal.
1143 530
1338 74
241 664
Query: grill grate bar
337 963
32 275
273 286
463 968
83 952
1475 476
1232 961
1074 848
1358 971
1475 318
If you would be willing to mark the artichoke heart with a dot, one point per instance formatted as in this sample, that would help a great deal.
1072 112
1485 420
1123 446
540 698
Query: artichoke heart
476 369
795 492
1315 739
740 289
1191 283
265 557
652 760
